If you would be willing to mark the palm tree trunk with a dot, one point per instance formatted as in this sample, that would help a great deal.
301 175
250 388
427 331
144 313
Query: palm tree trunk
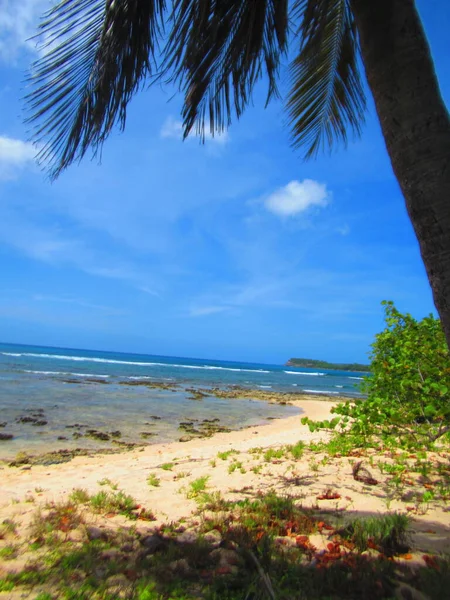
416 128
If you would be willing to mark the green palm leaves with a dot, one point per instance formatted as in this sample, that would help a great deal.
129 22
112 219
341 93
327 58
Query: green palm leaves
100 52
327 98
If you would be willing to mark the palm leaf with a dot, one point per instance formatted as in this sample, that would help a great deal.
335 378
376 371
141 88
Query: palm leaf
327 98
98 53
216 52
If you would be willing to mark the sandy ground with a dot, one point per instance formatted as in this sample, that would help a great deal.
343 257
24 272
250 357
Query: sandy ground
23 489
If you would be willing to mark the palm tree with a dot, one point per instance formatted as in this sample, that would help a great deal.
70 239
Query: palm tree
100 52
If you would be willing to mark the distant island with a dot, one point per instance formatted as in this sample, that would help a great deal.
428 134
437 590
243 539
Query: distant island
323 364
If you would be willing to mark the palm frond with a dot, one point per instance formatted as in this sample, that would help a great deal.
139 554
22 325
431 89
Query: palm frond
327 98
98 54
216 52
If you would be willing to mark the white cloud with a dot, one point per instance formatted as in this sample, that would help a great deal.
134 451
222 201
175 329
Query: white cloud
173 129
15 151
18 23
203 311
344 229
14 155
297 197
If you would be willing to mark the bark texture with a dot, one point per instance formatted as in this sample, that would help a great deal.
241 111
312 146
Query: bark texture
416 128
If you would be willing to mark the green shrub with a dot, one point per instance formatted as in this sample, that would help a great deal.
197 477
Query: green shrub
408 389
387 532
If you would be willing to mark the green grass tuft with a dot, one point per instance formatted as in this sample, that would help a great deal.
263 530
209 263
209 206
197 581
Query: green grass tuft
153 480
167 466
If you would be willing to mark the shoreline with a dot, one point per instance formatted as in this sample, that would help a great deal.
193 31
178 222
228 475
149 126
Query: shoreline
83 439
18 480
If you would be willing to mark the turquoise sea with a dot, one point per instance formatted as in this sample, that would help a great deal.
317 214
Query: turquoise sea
64 387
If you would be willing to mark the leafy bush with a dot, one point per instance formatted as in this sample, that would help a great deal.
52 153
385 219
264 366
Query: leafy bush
408 391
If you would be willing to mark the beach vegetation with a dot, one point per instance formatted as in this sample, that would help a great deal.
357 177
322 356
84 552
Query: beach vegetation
226 454
297 450
236 465
273 454
257 547
53 524
116 502
153 480
9 552
181 475
213 501
197 486
109 483
167 466
7 527
79 496
6 585
385 533
314 465
407 391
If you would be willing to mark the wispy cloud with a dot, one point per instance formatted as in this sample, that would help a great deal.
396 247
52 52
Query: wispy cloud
14 156
343 229
297 197
18 23
204 311
44 298
56 246
173 129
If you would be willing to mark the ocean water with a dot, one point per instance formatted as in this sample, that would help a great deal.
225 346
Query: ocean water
93 389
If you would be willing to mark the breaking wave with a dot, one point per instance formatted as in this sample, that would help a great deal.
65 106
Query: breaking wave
131 363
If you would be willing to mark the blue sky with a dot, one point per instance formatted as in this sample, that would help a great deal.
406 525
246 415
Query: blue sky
235 249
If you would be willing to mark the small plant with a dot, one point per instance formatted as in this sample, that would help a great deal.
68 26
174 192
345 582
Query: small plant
388 533
153 480
427 496
167 466
181 475
227 454
108 482
197 486
272 454
444 491
258 450
147 591
7 527
79 496
6 586
317 446
8 552
61 517
297 450
213 463
39 490
325 460
114 502
313 465
236 465
213 501
256 469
